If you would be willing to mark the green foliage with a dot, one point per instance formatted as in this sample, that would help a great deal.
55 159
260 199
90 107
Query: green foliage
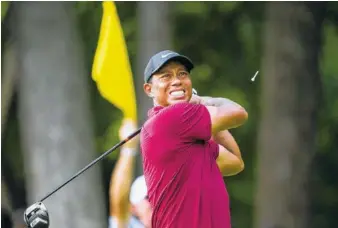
324 179
4 9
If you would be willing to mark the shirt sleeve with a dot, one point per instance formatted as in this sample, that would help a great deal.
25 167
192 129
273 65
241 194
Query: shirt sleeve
188 121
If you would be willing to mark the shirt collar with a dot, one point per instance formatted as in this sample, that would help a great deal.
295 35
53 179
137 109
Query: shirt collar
153 111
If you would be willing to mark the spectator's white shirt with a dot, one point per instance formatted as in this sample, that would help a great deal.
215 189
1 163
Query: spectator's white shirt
138 192
133 223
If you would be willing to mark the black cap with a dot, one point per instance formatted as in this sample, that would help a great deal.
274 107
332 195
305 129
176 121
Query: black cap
161 58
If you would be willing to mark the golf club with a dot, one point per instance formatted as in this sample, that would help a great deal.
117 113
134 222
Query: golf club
36 215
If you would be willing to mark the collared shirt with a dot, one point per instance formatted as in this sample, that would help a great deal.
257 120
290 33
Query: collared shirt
185 185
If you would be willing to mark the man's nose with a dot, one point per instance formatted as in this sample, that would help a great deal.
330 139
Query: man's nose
176 81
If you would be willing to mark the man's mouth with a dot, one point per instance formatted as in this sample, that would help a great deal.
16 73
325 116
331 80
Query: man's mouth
177 93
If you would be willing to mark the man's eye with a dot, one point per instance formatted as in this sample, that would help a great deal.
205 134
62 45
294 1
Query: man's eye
165 76
183 73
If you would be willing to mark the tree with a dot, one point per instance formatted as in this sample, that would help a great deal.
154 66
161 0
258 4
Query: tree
154 35
54 114
290 103
9 70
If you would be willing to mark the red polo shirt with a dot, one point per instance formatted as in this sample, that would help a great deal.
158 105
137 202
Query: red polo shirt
185 186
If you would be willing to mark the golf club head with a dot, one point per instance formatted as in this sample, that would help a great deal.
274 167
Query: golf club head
36 216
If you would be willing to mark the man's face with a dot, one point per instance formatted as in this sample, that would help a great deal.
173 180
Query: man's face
143 211
170 85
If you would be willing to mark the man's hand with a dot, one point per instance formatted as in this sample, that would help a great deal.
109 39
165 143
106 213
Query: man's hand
225 114
218 102
212 101
195 99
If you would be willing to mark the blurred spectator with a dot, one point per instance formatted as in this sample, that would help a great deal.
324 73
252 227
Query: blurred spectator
140 211
129 206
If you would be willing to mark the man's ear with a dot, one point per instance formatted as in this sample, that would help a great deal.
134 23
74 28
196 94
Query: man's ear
147 89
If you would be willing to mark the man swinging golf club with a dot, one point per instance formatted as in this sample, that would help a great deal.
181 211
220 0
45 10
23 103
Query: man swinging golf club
186 147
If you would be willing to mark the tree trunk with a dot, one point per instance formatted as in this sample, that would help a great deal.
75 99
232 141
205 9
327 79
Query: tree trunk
8 82
5 196
290 102
54 113
154 35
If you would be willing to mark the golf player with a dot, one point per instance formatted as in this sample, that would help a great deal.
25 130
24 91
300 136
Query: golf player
129 206
186 147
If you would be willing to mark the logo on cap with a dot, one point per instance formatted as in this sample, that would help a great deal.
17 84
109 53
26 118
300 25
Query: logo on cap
165 55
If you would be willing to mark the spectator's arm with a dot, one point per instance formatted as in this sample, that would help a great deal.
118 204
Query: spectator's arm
122 177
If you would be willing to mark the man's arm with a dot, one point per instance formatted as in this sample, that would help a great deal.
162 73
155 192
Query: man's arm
225 114
229 160
122 177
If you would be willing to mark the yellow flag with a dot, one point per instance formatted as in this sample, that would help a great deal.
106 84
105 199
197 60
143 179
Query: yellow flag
111 67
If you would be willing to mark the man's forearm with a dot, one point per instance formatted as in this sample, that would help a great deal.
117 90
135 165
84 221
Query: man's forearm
218 102
225 139
229 159
226 114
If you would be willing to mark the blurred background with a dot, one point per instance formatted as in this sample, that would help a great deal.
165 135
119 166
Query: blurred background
54 121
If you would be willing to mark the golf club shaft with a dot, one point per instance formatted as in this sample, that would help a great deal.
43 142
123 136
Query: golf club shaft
93 163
